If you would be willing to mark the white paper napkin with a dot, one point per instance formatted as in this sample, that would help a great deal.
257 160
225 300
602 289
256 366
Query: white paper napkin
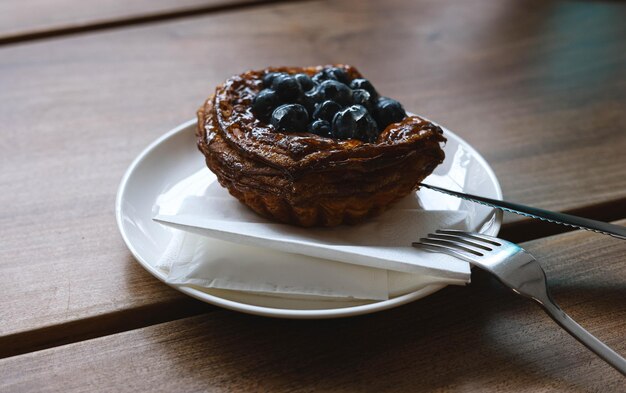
380 261
200 205
210 263
192 259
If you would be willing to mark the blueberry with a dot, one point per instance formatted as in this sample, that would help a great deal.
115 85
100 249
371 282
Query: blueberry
319 77
308 102
355 122
332 73
305 81
364 98
287 87
290 118
336 91
344 125
326 110
338 74
315 94
264 104
388 111
269 78
365 85
321 128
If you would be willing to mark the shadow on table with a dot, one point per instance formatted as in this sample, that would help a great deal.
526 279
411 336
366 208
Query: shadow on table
477 337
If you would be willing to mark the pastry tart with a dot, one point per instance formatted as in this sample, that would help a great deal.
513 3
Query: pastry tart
314 146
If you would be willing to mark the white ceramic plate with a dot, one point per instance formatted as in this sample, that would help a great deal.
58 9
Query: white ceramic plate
174 156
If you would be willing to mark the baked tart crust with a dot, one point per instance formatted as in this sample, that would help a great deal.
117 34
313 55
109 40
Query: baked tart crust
302 178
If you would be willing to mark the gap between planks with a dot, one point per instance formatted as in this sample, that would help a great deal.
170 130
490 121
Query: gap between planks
136 318
189 12
531 229
100 325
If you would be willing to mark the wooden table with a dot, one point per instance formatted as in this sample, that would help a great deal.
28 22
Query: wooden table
539 88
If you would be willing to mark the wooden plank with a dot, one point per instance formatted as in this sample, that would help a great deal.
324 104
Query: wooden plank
28 19
77 110
477 338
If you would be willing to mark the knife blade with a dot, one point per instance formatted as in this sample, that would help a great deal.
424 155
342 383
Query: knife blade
617 231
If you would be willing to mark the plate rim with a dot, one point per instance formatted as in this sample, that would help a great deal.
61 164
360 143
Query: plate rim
282 312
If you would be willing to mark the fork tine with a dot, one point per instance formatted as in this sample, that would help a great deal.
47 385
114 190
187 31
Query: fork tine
471 235
459 239
454 245
441 249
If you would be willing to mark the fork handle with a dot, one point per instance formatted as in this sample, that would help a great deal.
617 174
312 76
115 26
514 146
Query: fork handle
586 338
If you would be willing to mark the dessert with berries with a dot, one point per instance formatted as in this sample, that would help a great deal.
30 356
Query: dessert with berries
314 146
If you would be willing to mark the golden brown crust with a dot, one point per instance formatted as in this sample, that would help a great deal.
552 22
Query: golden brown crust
305 179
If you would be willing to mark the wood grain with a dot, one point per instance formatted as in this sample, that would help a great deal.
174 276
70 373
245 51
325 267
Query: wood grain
462 339
22 20
538 89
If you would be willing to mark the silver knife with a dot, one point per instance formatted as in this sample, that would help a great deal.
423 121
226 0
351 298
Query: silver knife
617 231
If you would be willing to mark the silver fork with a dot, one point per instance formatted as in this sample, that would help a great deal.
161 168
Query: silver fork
517 269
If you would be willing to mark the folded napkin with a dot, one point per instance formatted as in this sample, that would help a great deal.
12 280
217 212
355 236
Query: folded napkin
192 259
210 263
224 245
